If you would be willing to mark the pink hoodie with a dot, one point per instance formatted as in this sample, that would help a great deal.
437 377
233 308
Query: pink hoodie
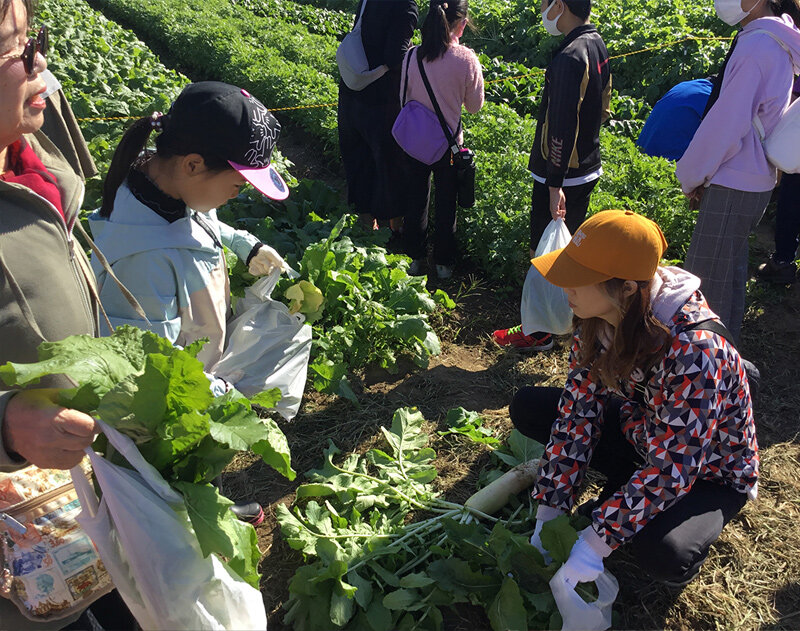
726 149
456 78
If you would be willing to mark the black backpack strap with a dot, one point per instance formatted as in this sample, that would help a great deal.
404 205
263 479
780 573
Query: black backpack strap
454 146
716 81
715 326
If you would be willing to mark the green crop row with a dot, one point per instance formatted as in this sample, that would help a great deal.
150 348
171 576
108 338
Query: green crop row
107 74
284 65
316 19
219 41
511 30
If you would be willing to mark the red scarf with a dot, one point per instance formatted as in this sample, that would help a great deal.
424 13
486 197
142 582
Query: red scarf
26 169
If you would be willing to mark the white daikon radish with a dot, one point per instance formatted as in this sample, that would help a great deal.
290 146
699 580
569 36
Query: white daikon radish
494 496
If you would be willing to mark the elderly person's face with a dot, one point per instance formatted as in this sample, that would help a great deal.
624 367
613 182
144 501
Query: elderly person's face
21 103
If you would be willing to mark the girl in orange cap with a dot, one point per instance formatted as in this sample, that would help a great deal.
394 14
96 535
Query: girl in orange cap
656 398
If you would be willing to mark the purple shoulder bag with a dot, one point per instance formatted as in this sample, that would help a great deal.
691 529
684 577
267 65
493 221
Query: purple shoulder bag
417 129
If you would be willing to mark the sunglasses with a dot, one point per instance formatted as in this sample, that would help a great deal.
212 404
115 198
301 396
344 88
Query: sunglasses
35 44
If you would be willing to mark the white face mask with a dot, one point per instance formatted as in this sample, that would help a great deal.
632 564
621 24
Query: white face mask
730 11
551 25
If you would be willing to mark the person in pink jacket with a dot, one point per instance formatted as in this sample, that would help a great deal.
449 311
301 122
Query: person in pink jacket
456 78
725 171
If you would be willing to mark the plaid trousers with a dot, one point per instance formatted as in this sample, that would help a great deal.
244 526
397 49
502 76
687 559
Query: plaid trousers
718 252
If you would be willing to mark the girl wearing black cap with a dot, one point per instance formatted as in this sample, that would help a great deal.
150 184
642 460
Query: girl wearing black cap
157 226
656 398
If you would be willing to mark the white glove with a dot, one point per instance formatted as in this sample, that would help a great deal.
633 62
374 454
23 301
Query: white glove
536 542
584 565
218 385
265 260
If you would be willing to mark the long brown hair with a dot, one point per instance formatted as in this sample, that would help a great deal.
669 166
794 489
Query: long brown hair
639 341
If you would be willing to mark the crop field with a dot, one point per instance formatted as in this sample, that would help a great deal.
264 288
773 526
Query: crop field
405 413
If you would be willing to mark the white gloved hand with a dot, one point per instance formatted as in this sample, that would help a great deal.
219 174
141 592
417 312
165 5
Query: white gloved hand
218 385
536 542
584 564
265 260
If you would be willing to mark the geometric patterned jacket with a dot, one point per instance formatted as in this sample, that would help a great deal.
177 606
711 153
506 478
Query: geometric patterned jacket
696 424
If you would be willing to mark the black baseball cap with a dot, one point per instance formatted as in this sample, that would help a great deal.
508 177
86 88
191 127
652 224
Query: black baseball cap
233 125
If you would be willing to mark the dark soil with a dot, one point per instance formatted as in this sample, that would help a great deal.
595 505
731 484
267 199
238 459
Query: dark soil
473 373
752 577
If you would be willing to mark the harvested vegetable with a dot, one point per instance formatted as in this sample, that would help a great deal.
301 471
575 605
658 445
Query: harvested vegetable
370 568
159 395
307 299
494 496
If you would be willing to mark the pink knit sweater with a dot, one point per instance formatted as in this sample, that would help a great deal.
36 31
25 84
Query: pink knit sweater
456 78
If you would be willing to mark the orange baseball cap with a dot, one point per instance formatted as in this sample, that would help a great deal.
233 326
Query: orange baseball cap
610 244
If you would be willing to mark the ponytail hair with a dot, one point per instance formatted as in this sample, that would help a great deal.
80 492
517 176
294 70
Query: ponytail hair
639 341
438 26
791 7
131 152
127 153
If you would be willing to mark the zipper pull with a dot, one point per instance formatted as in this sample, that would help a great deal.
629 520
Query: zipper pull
13 524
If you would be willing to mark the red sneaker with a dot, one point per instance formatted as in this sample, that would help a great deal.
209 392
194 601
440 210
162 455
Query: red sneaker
537 341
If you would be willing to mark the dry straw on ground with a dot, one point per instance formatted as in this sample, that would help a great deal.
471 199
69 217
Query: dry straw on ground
751 579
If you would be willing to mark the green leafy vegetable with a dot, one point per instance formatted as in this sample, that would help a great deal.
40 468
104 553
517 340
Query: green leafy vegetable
159 395
469 424
370 567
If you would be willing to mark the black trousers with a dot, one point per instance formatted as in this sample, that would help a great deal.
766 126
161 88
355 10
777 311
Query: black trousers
787 218
417 194
675 543
577 201
109 611
373 161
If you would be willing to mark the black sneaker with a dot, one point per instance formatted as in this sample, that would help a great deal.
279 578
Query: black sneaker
778 272
395 242
250 512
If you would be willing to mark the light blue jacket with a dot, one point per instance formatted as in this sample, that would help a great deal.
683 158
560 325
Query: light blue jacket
176 271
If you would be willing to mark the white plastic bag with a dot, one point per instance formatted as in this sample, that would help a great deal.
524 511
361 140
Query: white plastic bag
142 532
577 614
267 347
544 306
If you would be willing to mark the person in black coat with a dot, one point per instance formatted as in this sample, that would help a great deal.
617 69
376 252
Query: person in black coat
373 161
